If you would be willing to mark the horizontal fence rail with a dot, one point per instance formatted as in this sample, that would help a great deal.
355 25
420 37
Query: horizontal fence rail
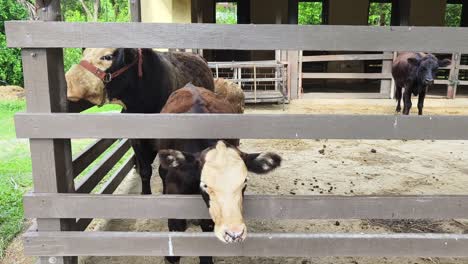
109 187
346 57
92 179
268 126
255 207
87 156
244 64
336 75
272 245
31 34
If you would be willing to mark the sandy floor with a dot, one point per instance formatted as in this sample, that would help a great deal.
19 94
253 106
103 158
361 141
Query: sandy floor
350 167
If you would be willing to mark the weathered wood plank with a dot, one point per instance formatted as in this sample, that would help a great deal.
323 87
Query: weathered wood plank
87 156
293 74
118 176
386 85
255 79
264 96
89 182
453 77
108 188
347 57
243 64
447 82
135 10
256 244
236 37
337 75
51 159
255 206
292 126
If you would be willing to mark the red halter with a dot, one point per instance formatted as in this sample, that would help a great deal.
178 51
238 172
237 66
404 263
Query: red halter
107 77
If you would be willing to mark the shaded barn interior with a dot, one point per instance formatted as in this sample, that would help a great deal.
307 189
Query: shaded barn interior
332 12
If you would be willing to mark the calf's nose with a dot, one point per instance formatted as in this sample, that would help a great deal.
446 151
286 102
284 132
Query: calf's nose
234 234
429 81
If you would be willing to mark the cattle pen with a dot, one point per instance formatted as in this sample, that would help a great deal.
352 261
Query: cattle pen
64 208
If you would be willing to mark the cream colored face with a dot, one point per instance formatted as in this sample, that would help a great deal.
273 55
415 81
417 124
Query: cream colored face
223 171
223 179
82 84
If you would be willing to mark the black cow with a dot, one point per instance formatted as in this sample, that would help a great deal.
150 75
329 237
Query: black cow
140 80
415 72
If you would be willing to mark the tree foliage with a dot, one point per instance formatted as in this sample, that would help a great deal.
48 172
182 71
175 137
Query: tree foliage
453 15
310 13
380 14
226 13
10 59
72 10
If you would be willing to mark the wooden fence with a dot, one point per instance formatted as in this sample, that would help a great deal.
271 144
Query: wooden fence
63 208
387 84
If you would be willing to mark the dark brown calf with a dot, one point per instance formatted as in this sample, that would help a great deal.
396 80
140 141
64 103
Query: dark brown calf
415 72
216 169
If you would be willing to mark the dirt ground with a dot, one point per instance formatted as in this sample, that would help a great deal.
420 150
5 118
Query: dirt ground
336 167
11 92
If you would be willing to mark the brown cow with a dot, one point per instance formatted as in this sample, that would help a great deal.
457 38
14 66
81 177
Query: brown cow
231 92
215 169
415 72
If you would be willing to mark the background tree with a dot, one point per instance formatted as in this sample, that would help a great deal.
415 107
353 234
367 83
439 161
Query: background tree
453 15
380 14
11 71
226 13
310 13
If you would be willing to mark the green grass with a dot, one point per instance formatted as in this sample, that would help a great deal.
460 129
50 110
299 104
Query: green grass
15 173
15 168
104 108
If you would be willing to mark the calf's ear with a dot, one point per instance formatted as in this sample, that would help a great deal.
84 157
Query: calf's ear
261 163
414 61
170 158
444 62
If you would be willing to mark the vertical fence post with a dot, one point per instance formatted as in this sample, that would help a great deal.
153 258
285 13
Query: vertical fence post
386 85
293 68
453 76
300 90
135 10
51 158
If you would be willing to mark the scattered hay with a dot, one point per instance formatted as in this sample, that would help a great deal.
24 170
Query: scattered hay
11 92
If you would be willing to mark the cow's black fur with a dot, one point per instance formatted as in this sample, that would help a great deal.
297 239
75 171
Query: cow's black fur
415 72
185 179
163 73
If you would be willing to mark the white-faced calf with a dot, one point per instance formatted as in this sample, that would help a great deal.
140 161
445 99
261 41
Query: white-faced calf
219 173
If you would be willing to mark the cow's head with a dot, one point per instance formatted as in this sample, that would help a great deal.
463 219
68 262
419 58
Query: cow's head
82 83
426 68
223 173
92 79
